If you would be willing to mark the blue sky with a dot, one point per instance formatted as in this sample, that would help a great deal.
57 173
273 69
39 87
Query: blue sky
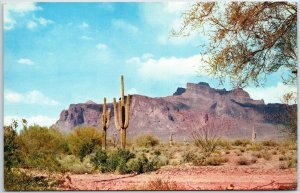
56 54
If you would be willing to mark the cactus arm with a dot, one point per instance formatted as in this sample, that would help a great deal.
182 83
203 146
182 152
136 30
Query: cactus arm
103 122
122 90
120 114
116 115
104 107
108 118
127 111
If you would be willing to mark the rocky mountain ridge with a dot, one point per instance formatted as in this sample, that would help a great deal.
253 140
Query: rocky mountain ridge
183 111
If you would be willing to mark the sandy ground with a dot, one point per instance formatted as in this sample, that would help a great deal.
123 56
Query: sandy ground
225 177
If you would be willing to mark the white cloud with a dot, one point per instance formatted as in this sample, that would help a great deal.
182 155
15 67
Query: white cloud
84 25
271 94
25 61
13 97
40 21
101 46
168 18
43 21
31 97
132 91
125 26
13 10
38 119
36 97
147 56
31 25
86 38
133 60
168 68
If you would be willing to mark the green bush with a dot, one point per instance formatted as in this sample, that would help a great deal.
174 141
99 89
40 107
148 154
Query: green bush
114 161
141 164
39 147
11 157
71 163
146 140
119 157
83 141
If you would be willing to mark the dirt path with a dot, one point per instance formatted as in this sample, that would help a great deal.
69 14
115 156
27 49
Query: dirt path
194 178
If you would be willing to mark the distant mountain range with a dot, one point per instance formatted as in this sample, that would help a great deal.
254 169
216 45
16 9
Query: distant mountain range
183 111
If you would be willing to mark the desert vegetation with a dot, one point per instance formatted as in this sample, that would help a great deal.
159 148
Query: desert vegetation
36 157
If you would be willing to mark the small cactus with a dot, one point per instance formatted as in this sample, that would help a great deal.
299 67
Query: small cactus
105 123
253 135
171 141
121 114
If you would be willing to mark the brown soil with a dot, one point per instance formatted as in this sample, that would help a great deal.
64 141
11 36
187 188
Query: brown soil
259 176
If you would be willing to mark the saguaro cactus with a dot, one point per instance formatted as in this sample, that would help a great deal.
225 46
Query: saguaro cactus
121 113
105 124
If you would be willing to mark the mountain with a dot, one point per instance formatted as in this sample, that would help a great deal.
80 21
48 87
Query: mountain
184 111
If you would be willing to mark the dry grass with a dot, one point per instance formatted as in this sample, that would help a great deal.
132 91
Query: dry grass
159 184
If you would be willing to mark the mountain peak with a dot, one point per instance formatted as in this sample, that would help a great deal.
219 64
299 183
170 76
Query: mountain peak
90 102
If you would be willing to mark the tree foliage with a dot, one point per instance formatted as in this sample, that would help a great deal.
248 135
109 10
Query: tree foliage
39 146
248 40
10 145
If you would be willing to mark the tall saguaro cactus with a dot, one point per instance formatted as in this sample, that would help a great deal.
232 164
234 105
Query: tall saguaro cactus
121 114
105 124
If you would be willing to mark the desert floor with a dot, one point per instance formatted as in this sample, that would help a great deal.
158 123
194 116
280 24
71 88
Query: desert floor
261 175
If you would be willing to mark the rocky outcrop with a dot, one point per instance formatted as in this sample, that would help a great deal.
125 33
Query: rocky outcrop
181 113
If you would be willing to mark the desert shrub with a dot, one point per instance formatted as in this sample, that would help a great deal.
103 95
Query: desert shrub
209 160
285 158
225 144
141 164
257 154
215 160
71 163
241 142
159 184
39 147
253 160
208 135
267 155
242 150
227 152
157 152
283 165
291 163
160 160
99 159
21 181
146 140
118 157
83 141
243 161
114 161
189 156
256 147
274 152
269 143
